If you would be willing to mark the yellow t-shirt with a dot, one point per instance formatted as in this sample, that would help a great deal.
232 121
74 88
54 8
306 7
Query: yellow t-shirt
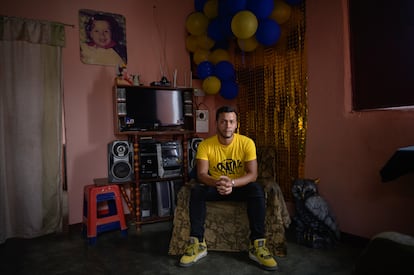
227 160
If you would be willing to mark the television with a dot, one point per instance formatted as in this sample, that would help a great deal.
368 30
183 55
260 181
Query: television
152 108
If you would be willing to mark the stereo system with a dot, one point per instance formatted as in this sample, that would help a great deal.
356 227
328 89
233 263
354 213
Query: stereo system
120 161
160 159
148 160
156 159
170 159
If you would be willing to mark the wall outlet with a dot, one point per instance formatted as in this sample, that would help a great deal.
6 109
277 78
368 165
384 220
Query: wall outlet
199 92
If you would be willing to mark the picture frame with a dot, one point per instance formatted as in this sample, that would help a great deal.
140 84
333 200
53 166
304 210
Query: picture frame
102 38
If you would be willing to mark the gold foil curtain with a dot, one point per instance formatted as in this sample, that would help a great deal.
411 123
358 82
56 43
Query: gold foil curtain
272 98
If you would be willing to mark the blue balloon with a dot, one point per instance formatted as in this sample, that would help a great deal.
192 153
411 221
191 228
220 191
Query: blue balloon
205 69
214 30
219 29
229 89
261 8
224 70
234 6
268 32
199 5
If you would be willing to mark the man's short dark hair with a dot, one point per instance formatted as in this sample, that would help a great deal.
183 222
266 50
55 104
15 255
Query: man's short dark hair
225 109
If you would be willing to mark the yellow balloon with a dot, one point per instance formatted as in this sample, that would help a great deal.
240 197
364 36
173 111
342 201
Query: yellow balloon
248 45
191 43
281 12
219 55
205 42
196 23
210 8
201 55
211 85
244 24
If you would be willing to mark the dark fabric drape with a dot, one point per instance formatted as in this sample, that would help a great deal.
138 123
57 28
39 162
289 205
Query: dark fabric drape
31 190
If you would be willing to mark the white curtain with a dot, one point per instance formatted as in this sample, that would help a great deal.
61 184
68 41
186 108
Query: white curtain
30 127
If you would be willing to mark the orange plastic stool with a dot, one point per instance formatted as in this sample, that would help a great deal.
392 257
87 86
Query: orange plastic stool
95 220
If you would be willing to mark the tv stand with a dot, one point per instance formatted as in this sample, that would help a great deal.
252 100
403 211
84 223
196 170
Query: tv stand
136 190
162 134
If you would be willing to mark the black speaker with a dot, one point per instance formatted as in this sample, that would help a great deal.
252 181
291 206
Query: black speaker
146 200
120 161
192 151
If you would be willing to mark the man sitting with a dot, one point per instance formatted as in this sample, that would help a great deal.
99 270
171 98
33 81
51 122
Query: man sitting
227 170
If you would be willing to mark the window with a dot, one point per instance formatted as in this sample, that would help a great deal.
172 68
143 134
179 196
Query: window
382 53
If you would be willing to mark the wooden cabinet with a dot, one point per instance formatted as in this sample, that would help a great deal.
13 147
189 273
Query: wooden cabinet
165 115
182 138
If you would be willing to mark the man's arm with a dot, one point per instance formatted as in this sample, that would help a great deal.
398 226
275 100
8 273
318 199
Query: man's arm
250 176
225 185
202 173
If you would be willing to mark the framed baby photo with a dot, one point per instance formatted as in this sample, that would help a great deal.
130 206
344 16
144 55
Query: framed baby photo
102 38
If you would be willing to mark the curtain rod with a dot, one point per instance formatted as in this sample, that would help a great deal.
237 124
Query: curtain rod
45 21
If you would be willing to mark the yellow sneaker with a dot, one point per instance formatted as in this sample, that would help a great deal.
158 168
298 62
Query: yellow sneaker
194 252
259 253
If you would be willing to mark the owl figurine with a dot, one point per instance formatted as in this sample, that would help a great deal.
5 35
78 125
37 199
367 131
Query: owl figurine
315 223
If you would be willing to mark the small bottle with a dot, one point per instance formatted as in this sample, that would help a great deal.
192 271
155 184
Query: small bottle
135 79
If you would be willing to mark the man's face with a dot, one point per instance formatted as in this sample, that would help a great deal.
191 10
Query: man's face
227 124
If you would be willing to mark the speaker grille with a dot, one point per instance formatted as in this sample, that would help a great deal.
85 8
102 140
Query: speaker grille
120 161
120 148
121 170
192 151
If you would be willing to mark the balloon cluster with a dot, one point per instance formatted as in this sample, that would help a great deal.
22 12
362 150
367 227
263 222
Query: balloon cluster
214 23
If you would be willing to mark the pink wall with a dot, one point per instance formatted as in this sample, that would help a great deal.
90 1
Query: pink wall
88 88
345 150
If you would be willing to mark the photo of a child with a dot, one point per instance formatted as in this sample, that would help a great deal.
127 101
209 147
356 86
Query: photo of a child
102 38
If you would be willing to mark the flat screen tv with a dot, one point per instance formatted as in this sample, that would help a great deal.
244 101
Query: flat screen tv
153 108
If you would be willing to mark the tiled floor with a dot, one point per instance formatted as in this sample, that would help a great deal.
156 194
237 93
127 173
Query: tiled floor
147 253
